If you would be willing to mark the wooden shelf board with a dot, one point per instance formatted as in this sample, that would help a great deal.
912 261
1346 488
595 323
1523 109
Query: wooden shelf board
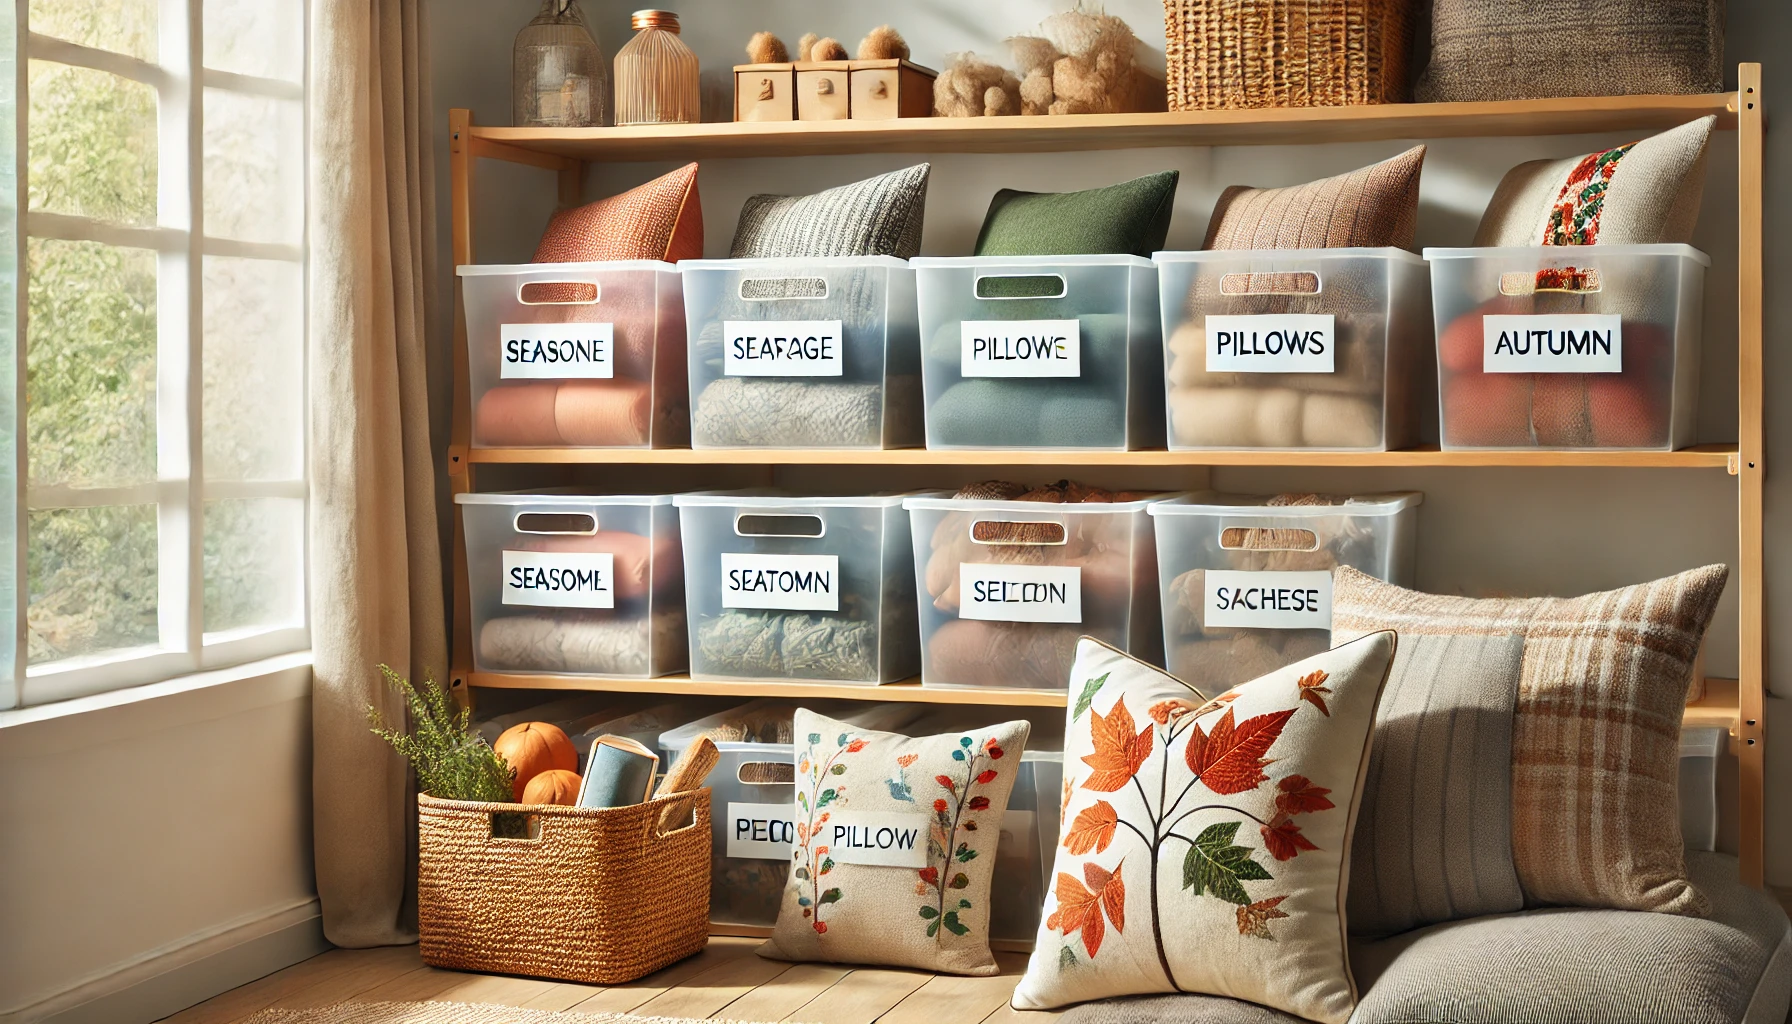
1720 707
1281 126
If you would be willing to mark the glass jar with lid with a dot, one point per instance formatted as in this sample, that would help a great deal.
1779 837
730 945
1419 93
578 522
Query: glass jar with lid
656 74
559 78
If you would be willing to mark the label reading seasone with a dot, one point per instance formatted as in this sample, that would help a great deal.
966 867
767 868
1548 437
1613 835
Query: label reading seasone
1553 343
761 831
894 839
1271 343
1021 348
803 583
557 351
782 348
1020 593
560 579
1268 600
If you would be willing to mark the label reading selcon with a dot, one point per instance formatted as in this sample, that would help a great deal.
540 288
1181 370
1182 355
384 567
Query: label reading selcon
1021 348
760 831
560 579
557 351
805 583
1020 593
1271 343
782 348
1268 600
1553 343
893 839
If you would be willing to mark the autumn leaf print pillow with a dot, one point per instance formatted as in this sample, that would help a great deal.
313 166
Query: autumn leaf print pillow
895 845
1206 842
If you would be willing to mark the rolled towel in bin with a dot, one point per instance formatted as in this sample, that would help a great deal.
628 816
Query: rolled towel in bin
517 414
603 413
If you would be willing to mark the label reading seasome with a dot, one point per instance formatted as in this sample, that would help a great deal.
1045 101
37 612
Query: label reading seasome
557 351
895 839
560 579
804 583
1271 343
1020 593
782 348
1021 348
1553 343
761 831
1268 600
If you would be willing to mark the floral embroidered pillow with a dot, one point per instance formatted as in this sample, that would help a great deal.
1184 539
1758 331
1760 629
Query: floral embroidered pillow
1206 844
895 845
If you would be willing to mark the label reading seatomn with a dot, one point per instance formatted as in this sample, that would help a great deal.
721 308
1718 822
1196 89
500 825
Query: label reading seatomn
560 579
1271 343
1020 593
1553 343
804 583
1268 600
557 351
782 348
893 839
1021 348
760 831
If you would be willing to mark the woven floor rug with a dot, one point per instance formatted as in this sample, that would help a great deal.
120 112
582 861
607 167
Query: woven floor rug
449 1013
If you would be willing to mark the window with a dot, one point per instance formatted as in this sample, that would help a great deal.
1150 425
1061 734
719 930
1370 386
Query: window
160 306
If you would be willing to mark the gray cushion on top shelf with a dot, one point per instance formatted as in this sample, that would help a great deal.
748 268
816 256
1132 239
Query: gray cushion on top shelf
879 216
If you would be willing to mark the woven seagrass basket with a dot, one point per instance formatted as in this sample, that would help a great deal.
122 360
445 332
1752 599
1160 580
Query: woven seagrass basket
1286 53
598 896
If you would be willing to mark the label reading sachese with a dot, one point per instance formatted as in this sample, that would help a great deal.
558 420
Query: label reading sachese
1271 343
1020 593
1552 343
782 348
557 351
560 579
1021 348
1267 600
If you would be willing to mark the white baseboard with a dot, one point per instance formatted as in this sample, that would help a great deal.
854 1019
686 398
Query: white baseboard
171 979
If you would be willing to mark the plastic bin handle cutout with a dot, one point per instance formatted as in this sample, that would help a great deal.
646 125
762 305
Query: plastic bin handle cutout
582 524
766 773
1257 538
559 293
752 525
1303 282
996 531
1571 280
769 289
1021 286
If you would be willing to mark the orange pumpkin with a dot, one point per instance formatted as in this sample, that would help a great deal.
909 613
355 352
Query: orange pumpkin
554 786
535 747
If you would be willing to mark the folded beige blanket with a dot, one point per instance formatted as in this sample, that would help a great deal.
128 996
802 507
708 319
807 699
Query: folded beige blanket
606 645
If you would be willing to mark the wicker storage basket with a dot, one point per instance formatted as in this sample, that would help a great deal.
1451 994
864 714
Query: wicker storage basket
1286 53
598 896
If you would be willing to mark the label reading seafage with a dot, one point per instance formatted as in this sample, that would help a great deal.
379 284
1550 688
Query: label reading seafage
760 831
557 351
895 839
1553 343
1021 348
1271 343
1020 593
1268 600
560 579
782 348
803 583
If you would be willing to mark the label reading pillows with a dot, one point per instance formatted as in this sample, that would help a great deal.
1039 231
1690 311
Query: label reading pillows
1271 343
802 583
1021 348
1553 343
560 579
557 352
1268 600
782 348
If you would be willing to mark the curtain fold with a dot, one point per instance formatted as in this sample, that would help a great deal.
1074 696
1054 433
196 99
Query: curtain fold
376 574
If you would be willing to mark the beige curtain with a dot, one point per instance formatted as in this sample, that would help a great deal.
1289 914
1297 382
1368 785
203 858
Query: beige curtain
376 578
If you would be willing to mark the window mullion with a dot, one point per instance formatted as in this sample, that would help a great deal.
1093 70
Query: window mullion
12 688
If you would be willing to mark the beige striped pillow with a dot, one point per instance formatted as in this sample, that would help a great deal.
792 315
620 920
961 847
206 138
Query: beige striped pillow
1372 206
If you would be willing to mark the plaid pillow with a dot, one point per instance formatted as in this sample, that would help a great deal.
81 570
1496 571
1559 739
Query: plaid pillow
879 216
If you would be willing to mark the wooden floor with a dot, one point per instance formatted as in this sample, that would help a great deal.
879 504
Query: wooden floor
726 980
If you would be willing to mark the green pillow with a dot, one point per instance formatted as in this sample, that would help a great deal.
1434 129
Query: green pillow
1131 217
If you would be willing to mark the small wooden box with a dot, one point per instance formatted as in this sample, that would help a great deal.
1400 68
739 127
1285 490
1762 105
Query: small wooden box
764 92
822 92
886 89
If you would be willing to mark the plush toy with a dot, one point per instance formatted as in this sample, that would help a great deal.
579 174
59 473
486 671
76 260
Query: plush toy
1097 74
765 48
1034 57
970 86
883 43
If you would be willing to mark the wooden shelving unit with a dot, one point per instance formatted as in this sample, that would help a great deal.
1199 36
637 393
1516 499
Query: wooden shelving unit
1736 704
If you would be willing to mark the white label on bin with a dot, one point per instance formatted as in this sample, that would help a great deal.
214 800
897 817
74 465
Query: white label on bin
891 839
1022 348
1553 343
803 583
560 579
760 831
1268 600
1271 343
782 348
557 351
1020 593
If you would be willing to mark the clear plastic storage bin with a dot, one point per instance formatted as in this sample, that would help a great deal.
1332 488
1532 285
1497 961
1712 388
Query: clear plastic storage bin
1041 352
782 587
803 353
1574 347
576 355
1700 751
1007 587
1298 348
575 584
1247 581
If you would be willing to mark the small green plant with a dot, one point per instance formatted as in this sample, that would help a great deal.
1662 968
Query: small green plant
451 762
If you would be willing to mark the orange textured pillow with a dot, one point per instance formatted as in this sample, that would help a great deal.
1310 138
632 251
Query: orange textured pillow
1372 206
661 220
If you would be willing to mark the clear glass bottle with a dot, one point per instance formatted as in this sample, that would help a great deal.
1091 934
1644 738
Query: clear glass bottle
656 74
559 78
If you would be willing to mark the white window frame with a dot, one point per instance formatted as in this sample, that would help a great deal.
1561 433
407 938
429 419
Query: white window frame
180 490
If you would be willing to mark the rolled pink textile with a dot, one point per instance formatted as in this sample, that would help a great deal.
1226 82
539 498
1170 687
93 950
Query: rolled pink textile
517 414
603 413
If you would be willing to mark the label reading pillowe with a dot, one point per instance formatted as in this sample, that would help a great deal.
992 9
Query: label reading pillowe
760 831
557 351
1020 593
1553 343
1021 348
803 583
1271 343
895 839
782 348
560 579
1268 600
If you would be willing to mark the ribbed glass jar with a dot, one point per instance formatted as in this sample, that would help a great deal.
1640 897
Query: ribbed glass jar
559 78
656 74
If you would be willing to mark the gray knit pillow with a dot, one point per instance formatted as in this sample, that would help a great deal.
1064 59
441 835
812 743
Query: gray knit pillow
879 216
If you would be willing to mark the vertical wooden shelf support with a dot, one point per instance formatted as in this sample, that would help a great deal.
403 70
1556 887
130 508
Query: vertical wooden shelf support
1750 548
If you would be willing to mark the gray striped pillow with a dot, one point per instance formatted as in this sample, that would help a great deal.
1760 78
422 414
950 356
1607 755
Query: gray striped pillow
879 216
